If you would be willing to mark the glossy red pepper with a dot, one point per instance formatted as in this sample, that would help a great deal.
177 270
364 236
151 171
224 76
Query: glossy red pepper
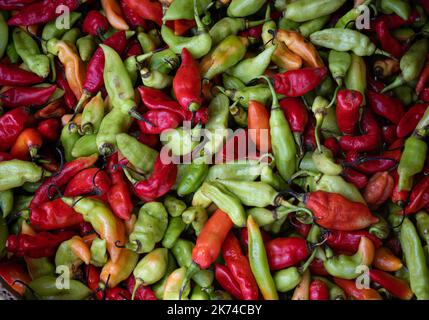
12 75
131 16
182 26
5 156
302 228
14 4
349 287
147 9
92 276
385 106
27 144
419 197
53 109
348 241
371 165
319 290
409 121
116 294
49 129
296 113
286 252
155 99
396 286
358 179
226 280
423 78
95 23
91 181
369 140
142 293
347 110
54 215
389 133
160 120
394 21
239 266
296 83
374 85
118 196
398 197
318 268
43 244
26 96
11 125
388 42
69 97
60 179
334 211
332 144
159 183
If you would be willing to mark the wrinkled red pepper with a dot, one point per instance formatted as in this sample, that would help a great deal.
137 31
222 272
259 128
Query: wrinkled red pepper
160 120
12 75
348 241
227 282
286 252
88 181
296 83
347 110
95 23
11 125
385 106
388 42
358 179
142 293
26 96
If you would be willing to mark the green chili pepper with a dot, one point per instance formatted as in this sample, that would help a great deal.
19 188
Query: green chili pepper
404 34
264 217
69 137
406 95
307 163
150 227
92 115
147 42
273 179
287 279
258 261
98 252
39 267
72 35
14 173
399 7
155 79
288 24
198 46
197 217
335 292
305 10
200 200
336 184
164 61
3 235
175 228
415 260
319 108
151 268
311 26
65 257
195 174
343 266
325 163
28 49
158 288
232 83
230 26
11 53
356 76
346 20
184 9
242 8
423 125
412 162
46 288
140 155
199 294
246 170
86 47
381 229
226 201
174 206
173 289
339 64
50 29
85 146
422 219
6 202
181 140
259 92
4 35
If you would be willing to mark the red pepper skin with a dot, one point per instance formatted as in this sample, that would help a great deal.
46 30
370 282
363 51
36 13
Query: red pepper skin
319 290
12 270
226 280
370 139
134 49
9 5
182 26
394 21
389 133
410 119
151 140
69 97
26 96
88 181
92 276
318 268
49 129
28 143
349 287
12 75
301 228
386 107
62 178
396 286
239 266
388 42
425 95
155 99
95 23
374 85
332 144
296 113
161 120
53 109
347 110
41 12
5 156
131 16
358 179
116 294
147 9
142 293
348 241
310 137
333 211
286 252
159 183
43 244
54 215
187 82
419 197
367 165
118 196
94 80
423 79
398 197
11 125
296 83
254 32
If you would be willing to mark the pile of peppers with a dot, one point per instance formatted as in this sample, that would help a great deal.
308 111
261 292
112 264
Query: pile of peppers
122 159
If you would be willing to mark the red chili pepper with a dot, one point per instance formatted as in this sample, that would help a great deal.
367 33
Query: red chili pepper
302 228
187 83
53 109
147 9
409 121
131 16
349 287
117 293
159 183
423 79
69 97
49 129
88 181
11 125
201 116
348 241
296 83
319 290
14 4
334 211
43 244
396 286
210 239
227 282
370 138
118 196
92 277
358 179
12 75
11 271
182 26
371 165
318 268
41 12
134 49
398 197
387 107
286 252
95 23
85 228
27 144
388 42
394 21
296 113
142 293
309 136
254 32
332 144
155 99
419 197
239 266
5 156
347 110
378 189
59 180
26 96
151 140
424 96
54 215
374 85
389 133
160 120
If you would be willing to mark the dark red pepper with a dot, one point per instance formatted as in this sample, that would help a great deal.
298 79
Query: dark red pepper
348 241
69 97
131 16
388 42
182 26
53 109
95 23
296 83
389 133
160 120
332 144
227 282
398 197
5 156
286 252
92 277
296 113
358 179
319 290
409 121
347 110
423 79
142 293
11 125
302 228
116 293
88 181
14 4
26 96
385 106
49 129
147 9
12 75
419 197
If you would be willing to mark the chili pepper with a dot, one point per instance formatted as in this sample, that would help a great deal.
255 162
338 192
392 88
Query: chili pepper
319 290
397 287
195 174
304 10
388 42
14 4
399 7
72 253
114 272
86 47
239 8
296 83
11 271
423 78
175 207
352 291
422 220
114 14
259 92
287 279
173 287
385 260
98 252
85 146
46 288
258 261
87 181
14 173
414 256
410 120
227 282
347 110
147 9
412 162
259 125
6 202
49 129
175 227
418 197
142 293
155 99
95 23
27 144
378 189
20 97
286 252
348 241
11 75
385 106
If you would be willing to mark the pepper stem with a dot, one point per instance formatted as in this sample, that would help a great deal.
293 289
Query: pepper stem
399 81
275 104
83 99
298 140
201 28
136 287
192 269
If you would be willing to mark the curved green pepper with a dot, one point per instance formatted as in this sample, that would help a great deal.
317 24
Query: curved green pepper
46 288
65 257
264 217
6 202
164 61
86 47
69 137
50 29
273 179
71 35
228 26
175 228
39 267
14 173
155 79
259 92
311 26
197 217
174 206
184 9
399 7
244 8
230 82
246 170
356 76
92 115
339 64
158 288
194 177
305 10
98 252
85 146
352 15
287 279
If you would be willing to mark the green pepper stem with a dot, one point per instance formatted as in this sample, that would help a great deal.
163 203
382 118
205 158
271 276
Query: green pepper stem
200 25
275 104
83 99
192 269
307 263
399 81
136 287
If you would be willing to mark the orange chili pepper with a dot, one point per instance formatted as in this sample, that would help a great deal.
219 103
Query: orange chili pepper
27 144
351 291
385 260
67 117
129 224
299 45
259 125
53 109
80 249
73 66
14 274
302 291
285 58
366 251
114 14
115 272
397 287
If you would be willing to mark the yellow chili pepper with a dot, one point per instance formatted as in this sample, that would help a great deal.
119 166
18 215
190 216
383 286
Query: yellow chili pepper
115 272
113 14
80 249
